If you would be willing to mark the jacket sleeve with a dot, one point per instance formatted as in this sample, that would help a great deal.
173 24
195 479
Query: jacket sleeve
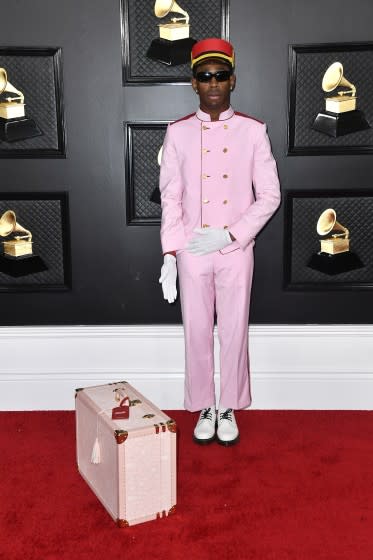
267 192
171 188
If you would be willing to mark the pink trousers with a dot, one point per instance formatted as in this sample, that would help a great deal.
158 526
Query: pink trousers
220 283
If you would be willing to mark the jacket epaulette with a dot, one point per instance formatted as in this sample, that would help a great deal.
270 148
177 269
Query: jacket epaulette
183 118
248 117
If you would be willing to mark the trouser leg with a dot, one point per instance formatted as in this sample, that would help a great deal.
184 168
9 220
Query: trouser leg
197 305
233 277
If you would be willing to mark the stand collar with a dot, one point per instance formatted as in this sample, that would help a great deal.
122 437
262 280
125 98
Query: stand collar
228 114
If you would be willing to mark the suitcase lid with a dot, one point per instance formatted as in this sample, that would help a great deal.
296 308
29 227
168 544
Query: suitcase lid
143 414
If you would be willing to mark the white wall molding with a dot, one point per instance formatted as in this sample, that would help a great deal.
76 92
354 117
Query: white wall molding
292 366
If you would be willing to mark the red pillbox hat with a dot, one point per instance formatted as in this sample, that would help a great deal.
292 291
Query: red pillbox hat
212 48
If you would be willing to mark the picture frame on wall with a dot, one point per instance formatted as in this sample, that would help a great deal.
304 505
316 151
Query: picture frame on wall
328 240
157 37
143 144
31 103
330 99
34 242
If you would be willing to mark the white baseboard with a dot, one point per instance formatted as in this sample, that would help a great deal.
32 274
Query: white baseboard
292 367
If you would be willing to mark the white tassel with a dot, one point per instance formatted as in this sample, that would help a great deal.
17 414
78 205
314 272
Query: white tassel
96 453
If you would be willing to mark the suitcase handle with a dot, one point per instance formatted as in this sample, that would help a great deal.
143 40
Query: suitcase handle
121 412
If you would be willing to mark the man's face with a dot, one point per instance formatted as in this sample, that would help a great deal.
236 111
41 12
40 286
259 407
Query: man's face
214 96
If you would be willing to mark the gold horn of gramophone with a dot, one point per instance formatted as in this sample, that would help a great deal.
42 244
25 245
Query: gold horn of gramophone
338 240
163 7
20 245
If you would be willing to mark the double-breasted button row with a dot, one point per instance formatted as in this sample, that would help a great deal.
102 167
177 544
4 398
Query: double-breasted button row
206 201
206 150
205 127
205 176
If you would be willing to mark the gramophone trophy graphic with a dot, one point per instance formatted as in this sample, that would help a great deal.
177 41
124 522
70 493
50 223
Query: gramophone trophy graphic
340 116
14 125
17 258
334 256
174 44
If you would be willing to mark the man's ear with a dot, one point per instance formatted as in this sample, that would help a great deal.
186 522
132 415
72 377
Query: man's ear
232 80
194 83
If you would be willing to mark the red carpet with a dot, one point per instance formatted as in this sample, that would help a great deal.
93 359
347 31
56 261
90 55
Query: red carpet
298 486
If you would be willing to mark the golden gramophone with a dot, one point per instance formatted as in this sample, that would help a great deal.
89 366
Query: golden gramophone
14 125
20 245
12 102
174 44
334 256
340 116
177 28
338 240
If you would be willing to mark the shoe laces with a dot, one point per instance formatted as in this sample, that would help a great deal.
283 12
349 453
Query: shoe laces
206 414
226 415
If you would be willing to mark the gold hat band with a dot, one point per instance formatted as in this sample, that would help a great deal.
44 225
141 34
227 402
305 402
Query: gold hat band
213 55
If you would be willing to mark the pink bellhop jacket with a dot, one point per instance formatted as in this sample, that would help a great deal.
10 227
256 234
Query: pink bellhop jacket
217 174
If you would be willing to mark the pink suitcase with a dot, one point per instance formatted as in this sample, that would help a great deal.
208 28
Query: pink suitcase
130 464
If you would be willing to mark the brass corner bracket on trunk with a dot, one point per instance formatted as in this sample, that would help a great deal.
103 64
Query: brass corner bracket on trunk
172 426
120 436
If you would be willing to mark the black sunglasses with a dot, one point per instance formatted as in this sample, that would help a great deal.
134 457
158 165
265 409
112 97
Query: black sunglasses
220 76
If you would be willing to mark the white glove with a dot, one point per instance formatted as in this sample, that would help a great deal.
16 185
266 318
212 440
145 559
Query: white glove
168 278
208 240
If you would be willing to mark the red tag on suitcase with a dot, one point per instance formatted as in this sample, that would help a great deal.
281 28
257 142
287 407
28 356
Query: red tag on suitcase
121 412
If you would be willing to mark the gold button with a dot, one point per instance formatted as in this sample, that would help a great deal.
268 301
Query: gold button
225 176
225 126
205 176
205 127
205 150
225 227
205 225
225 201
205 200
225 150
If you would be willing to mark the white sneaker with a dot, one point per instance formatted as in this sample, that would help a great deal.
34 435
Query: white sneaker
204 431
227 432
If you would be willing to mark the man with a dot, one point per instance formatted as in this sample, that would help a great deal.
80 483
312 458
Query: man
219 186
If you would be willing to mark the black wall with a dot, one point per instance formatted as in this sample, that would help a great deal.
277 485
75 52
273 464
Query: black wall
115 268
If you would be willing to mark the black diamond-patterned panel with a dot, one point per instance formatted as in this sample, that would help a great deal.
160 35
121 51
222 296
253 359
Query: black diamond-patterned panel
355 213
205 21
146 143
311 67
45 221
34 77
